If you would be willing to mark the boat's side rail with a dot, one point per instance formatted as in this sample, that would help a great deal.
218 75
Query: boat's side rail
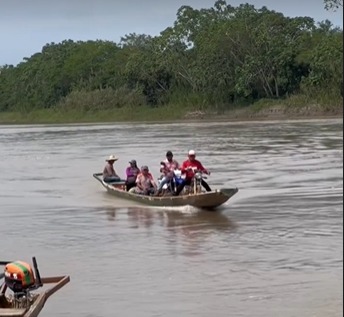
119 184
12 312
60 281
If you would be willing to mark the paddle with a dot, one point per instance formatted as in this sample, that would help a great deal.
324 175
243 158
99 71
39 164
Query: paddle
38 276
5 262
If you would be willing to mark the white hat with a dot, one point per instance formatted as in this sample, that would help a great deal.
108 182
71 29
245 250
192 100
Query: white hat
112 158
192 152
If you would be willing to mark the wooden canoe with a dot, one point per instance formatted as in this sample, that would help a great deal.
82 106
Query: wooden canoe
208 200
35 301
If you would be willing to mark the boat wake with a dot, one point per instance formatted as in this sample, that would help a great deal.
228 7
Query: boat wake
181 209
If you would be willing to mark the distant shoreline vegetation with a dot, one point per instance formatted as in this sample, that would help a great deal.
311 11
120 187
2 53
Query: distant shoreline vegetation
262 110
237 61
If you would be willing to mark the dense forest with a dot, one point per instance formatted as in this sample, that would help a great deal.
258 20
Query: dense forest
221 57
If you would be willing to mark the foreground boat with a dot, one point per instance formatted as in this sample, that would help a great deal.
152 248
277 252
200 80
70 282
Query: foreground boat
19 301
209 200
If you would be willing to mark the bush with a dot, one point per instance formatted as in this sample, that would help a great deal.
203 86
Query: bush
104 99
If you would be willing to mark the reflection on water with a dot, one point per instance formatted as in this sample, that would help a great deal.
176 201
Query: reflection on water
276 249
169 218
191 226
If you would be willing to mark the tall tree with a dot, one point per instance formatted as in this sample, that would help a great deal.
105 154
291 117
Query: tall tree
333 4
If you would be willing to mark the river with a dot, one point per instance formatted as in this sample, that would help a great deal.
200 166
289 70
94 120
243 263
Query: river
275 249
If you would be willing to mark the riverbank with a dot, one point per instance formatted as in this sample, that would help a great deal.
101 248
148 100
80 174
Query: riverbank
258 112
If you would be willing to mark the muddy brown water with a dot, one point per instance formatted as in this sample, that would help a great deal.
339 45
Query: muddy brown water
275 249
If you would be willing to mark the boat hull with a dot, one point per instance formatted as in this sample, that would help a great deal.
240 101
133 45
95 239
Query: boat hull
209 200
38 303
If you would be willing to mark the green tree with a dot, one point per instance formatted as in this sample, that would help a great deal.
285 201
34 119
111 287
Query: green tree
333 4
144 71
216 57
326 64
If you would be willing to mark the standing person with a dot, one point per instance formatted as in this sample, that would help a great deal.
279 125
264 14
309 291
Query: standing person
109 173
168 166
188 168
132 171
145 183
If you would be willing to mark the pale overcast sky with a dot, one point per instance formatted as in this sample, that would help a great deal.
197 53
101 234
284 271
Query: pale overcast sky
27 25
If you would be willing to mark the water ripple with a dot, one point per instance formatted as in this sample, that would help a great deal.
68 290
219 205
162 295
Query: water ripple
276 249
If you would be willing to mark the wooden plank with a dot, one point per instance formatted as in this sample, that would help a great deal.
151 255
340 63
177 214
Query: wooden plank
52 279
61 281
12 312
37 307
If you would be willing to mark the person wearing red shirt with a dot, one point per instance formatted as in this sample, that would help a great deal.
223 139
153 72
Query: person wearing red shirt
188 168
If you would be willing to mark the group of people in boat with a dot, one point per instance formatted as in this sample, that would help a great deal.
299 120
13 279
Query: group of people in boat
141 181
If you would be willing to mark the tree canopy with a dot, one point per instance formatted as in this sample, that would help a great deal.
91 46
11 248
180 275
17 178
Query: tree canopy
222 55
333 4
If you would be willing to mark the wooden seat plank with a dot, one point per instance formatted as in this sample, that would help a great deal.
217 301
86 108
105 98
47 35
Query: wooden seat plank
12 312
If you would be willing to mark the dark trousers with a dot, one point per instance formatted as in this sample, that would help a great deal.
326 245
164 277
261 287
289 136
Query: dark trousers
112 179
188 182
130 185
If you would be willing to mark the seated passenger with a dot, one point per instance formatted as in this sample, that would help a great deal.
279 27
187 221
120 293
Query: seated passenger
109 173
132 171
188 168
145 184
168 167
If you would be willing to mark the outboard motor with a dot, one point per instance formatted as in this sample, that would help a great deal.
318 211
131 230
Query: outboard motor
19 276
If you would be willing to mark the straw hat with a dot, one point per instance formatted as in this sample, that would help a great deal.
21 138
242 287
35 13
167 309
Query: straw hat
112 158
